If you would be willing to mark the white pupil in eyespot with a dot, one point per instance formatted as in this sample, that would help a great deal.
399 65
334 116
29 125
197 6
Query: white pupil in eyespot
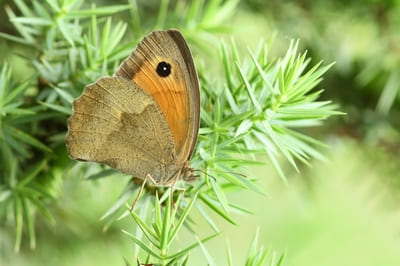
163 69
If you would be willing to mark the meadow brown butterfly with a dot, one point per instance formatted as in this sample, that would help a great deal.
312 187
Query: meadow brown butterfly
144 120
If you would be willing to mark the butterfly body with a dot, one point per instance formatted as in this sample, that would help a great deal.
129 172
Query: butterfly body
144 120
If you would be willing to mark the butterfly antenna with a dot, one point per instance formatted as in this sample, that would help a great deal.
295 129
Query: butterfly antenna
204 172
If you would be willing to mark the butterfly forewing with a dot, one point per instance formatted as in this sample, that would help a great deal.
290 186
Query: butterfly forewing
163 66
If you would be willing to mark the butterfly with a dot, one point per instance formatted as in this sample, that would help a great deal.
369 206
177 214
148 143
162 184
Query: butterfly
144 120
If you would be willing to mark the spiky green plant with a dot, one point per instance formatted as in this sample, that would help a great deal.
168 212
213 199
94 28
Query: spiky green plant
254 108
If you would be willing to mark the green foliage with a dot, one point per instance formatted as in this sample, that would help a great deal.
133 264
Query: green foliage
255 108
33 115
361 37
260 103
258 256
20 188
164 230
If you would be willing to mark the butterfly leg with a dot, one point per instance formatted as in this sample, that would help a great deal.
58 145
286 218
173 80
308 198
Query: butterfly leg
148 176
151 179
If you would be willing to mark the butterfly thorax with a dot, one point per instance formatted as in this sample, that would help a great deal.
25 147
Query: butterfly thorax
187 173
170 173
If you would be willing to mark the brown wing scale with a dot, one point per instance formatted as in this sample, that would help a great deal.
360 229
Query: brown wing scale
117 123
177 94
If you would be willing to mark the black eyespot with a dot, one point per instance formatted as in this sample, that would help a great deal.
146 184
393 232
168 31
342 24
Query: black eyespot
163 69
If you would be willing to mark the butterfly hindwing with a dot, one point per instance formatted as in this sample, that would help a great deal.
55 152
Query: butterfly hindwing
117 123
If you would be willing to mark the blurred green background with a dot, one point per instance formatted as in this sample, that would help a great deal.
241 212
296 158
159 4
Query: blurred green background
344 211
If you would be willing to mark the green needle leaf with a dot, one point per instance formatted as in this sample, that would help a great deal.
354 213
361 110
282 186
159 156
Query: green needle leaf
181 220
99 11
186 250
30 223
150 235
18 215
212 204
141 244
166 225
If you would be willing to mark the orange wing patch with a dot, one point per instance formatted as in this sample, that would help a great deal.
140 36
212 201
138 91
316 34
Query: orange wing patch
170 95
